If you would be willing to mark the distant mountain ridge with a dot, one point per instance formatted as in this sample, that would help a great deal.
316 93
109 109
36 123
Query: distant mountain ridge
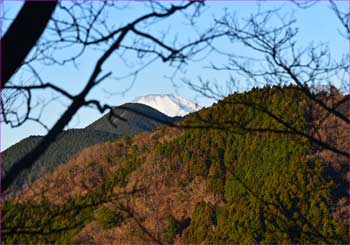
171 105
138 118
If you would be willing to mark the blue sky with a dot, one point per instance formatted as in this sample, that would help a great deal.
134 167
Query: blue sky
316 24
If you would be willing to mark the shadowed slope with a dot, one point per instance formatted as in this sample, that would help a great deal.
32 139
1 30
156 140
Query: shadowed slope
139 118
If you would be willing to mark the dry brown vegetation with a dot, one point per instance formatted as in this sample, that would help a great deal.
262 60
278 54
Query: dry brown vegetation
160 196
88 168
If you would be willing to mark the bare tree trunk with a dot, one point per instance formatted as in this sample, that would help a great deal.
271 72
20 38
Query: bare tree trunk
23 34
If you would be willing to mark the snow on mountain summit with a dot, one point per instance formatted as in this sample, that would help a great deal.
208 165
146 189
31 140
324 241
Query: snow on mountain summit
168 104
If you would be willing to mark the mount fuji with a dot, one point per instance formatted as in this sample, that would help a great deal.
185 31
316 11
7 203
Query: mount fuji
168 104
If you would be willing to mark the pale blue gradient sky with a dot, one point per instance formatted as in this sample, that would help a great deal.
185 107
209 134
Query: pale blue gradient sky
316 24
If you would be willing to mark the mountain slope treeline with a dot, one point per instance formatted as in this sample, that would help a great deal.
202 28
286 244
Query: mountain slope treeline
231 173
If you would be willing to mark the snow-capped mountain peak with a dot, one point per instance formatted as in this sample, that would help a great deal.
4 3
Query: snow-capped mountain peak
168 104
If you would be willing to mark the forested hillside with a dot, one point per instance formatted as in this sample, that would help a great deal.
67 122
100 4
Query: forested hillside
241 171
